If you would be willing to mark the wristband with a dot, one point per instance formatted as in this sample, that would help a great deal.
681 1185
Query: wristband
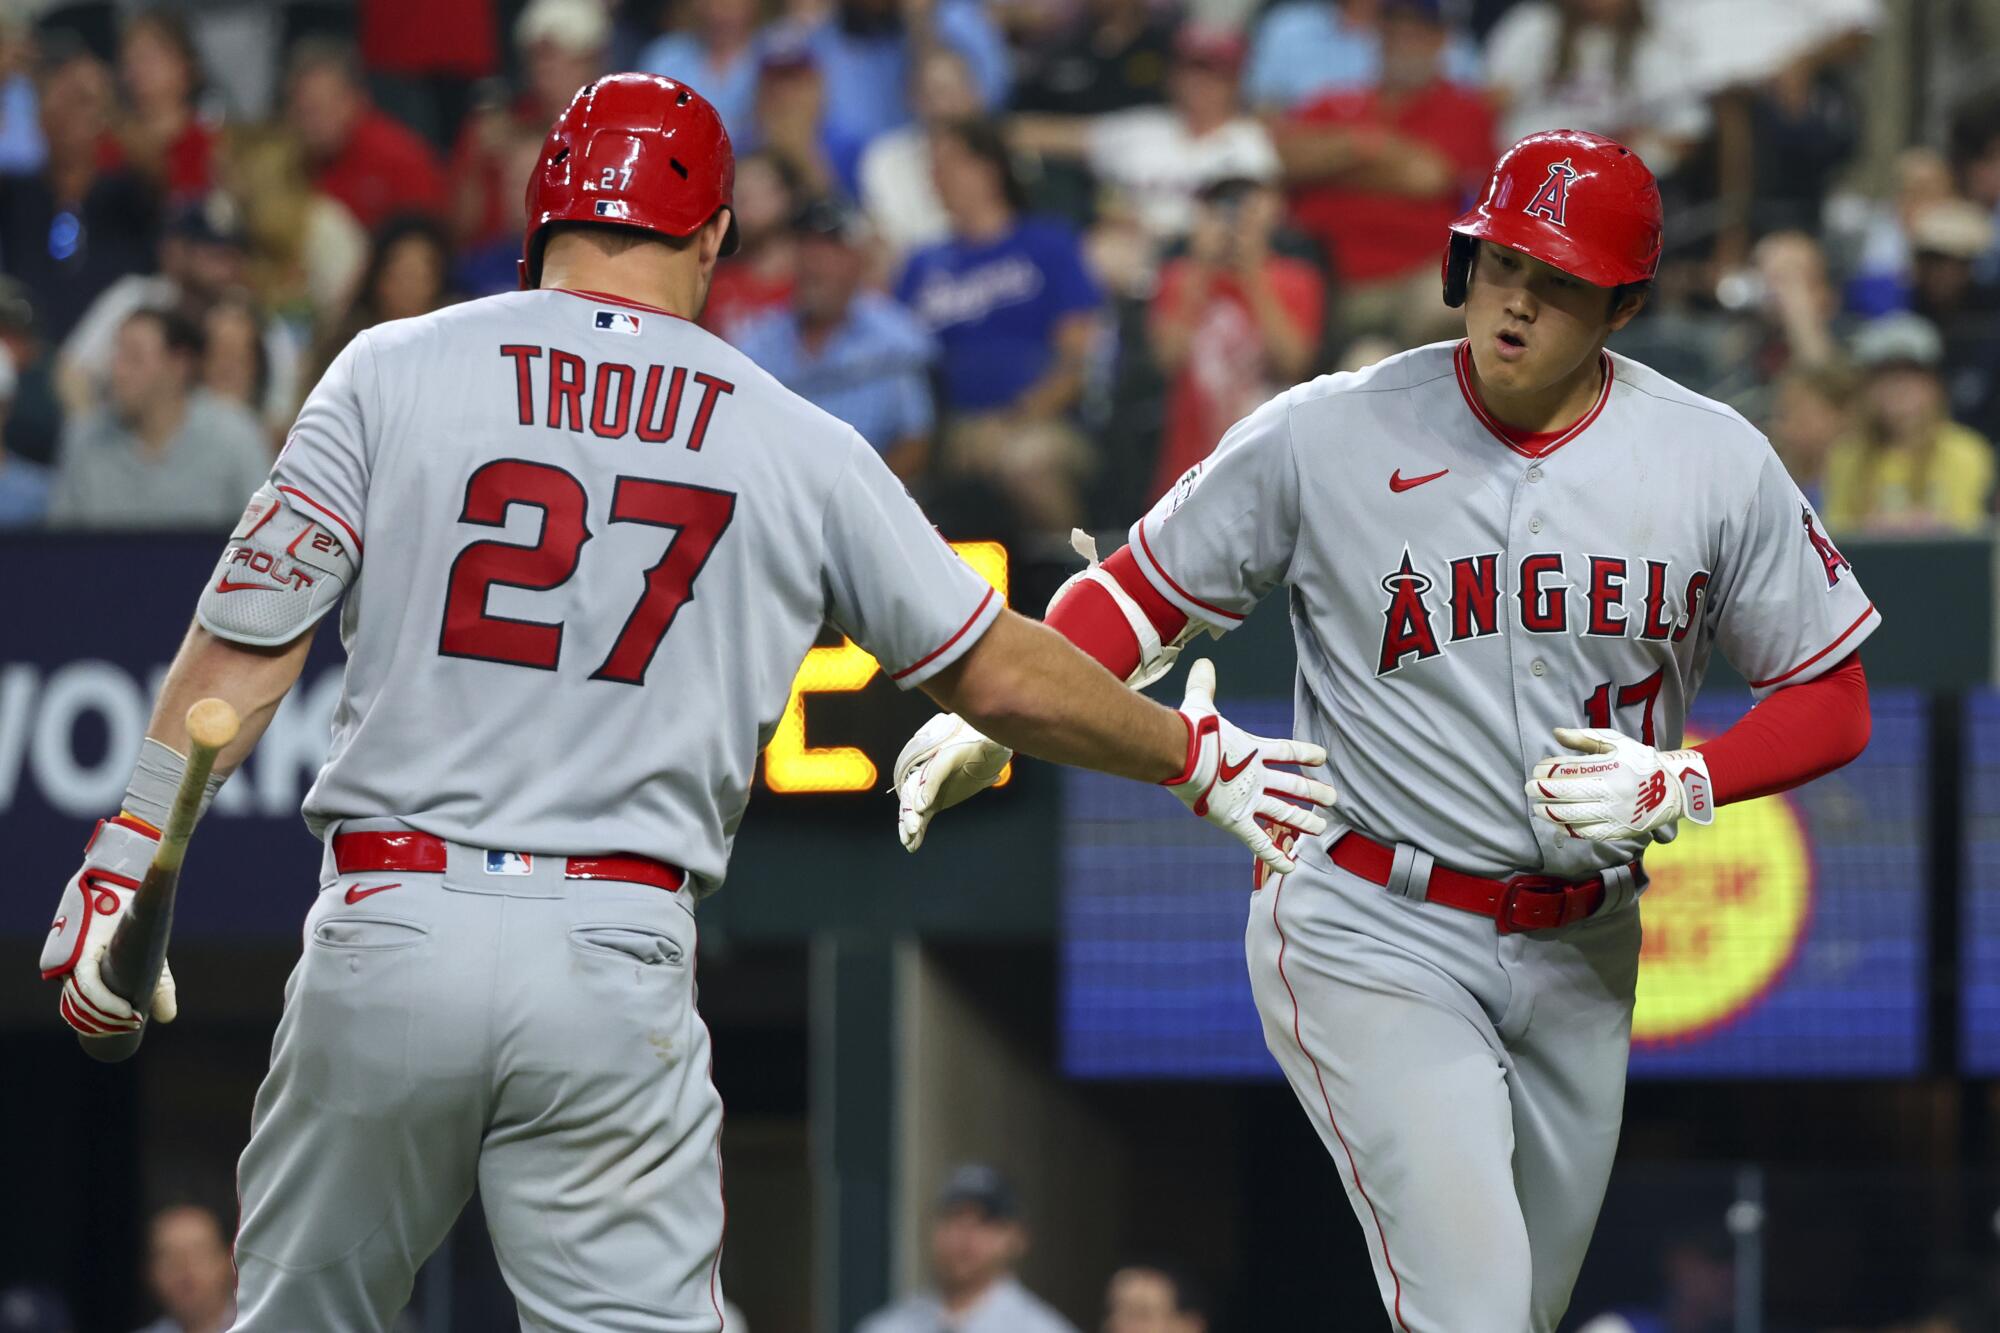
149 796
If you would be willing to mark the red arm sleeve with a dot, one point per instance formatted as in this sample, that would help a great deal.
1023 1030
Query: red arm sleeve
1088 618
1797 734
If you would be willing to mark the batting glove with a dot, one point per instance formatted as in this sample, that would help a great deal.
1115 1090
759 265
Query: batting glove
1623 789
947 761
1229 779
94 901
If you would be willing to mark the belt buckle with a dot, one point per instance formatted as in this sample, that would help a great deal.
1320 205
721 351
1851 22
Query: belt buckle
1504 919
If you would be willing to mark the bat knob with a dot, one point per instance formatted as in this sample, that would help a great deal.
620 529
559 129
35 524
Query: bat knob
114 1047
212 724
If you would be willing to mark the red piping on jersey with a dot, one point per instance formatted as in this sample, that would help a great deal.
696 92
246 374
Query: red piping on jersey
1160 569
944 647
1298 1035
1787 675
345 526
1462 362
607 298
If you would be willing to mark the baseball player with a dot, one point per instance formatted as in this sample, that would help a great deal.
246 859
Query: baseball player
1508 559
584 547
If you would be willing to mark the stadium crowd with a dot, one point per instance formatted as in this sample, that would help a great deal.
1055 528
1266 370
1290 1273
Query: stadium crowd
1041 253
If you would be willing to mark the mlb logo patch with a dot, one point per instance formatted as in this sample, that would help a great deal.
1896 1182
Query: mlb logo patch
617 321
610 208
509 863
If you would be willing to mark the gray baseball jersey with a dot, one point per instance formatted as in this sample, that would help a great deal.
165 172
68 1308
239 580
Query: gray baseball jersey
1455 598
596 542
1456 595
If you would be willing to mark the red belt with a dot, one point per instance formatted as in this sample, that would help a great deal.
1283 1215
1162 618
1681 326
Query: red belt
1521 902
420 853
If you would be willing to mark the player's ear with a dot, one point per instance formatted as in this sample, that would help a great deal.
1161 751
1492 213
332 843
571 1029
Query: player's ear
1627 302
714 234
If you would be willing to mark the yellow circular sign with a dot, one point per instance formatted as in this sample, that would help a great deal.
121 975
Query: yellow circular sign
1723 918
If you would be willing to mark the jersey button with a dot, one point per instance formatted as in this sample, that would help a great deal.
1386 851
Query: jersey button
1534 474
1537 668
1534 525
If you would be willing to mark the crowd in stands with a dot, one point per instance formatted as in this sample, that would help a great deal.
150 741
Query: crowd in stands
1041 253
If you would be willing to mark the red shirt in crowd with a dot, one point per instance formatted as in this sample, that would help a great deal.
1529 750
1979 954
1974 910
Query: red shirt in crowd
429 37
384 169
1225 376
1371 236
738 294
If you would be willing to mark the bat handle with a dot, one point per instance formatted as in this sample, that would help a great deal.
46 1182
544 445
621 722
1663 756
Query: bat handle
131 968
112 1048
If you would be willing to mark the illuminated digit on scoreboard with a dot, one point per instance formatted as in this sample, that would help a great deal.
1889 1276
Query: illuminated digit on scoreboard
792 765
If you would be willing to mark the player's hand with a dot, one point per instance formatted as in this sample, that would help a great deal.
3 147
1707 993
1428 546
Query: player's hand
1229 779
947 761
1623 789
94 901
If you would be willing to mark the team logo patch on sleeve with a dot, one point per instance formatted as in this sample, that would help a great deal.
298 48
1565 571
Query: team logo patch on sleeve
1829 555
510 863
617 321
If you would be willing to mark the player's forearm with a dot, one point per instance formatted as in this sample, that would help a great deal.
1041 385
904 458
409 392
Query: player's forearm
254 681
1030 689
1800 733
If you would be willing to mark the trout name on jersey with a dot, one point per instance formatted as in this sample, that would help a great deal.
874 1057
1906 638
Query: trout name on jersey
612 400
1469 595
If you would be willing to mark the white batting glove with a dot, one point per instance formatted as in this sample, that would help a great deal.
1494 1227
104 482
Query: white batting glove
1229 780
1623 790
94 901
947 761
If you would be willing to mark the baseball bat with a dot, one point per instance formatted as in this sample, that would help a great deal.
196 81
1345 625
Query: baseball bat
138 949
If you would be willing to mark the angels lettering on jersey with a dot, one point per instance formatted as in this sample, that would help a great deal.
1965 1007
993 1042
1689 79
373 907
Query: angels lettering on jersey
1617 597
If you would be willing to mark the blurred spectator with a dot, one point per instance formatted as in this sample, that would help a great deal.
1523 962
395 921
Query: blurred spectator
1791 291
22 149
357 153
1946 242
855 353
424 55
235 366
163 136
895 178
1601 65
1811 412
34 419
1233 323
189 1271
1908 468
1305 48
562 46
201 258
1015 314
34 1310
306 251
1112 57
791 121
1157 157
162 452
1975 161
406 276
758 277
1698 1281
716 54
865 51
1149 1298
1380 173
75 228
977 1240
24 486
1879 276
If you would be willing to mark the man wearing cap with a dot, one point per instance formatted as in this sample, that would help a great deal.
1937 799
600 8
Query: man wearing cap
977 1240
1376 171
855 353
1157 157
201 260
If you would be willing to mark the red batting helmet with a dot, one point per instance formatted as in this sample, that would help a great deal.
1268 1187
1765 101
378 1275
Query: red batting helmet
1576 201
631 150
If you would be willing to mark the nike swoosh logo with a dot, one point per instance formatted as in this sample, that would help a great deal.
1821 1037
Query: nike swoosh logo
1228 773
227 586
356 893
1398 483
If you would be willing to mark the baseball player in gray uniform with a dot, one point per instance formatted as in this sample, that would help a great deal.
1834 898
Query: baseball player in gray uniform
584 547
1508 560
